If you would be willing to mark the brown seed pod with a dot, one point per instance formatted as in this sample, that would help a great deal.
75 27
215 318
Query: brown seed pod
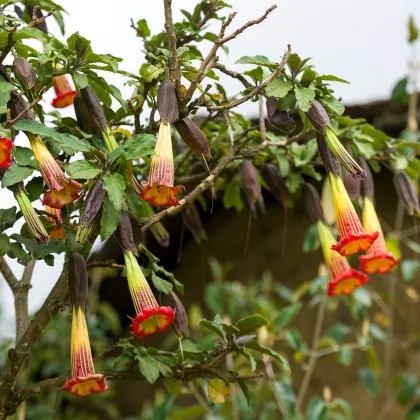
124 234
94 106
368 187
275 183
251 184
42 26
193 137
167 103
331 163
77 280
249 205
192 220
279 119
84 116
92 204
313 203
25 73
407 193
271 106
318 117
17 105
180 323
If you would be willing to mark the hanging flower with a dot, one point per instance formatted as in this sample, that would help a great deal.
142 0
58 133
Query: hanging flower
57 232
65 94
160 190
84 380
35 227
6 146
62 191
377 259
353 237
345 279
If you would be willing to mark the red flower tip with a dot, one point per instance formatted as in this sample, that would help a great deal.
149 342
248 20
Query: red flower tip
57 233
150 321
64 99
345 283
6 146
81 386
68 194
355 242
160 195
378 263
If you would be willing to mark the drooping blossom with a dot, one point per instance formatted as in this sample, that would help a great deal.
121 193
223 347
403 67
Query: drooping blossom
6 146
57 232
64 92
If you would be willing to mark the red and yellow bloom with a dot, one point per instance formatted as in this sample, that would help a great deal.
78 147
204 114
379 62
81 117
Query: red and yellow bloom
377 259
345 279
160 190
6 146
353 237
84 380
65 94
62 190
57 232
151 317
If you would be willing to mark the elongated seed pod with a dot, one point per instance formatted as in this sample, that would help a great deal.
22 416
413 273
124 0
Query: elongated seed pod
180 323
318 117
251 184
77 280
368 186
353 185
275 183
92 204
331 163
167 103
193 137
25 73
124 234
42 26
271 106
94 106
19 12
313 203
84 116
279 119
17 105
192 220
407 193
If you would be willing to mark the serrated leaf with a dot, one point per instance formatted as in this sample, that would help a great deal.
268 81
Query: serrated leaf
16 174
115 186
4 244
251 323
304 97
205 323
279 87
7 218
161 285
148 368
82 169
253 345
218 391
259 60
110 219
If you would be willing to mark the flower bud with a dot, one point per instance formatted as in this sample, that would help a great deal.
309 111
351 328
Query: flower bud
180 322
84 116
193 137
192 220
17 105
276 184
407 193
94 106
331 163
318 117
313 203
368 187
167 103
124 234
77 280
25 73
279 119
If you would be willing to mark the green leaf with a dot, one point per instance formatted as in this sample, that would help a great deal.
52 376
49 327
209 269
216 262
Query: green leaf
16 174
212 326
148 367
161 285
399 92
341 406
80 80
34 188
407 387
139 146
279 88
345 356
134 204
150 72
308 77
82 169
409 269
311 239
286 316
172 385
218 390
251 323
115 186
245 389
333 104
5 90
317 409
232 196
253 345
413 30
369 381
4 244
143 30
189 347
24 33
304 97
24 157
258 60
110 219
331 78
7 218
16 251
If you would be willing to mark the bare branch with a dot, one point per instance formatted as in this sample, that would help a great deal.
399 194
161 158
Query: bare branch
37 21
233 74
110 264
8 275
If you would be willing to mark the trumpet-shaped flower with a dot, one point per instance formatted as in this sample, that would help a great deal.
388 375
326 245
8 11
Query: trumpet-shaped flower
35 227
84 380
377 259
65 94
352 236
6 146
160 190
345 279
62 190
151 317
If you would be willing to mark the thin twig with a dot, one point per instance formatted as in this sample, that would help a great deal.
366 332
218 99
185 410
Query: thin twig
233 74
95 264
7 273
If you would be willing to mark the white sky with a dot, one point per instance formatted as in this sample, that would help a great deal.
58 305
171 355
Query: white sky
362 41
